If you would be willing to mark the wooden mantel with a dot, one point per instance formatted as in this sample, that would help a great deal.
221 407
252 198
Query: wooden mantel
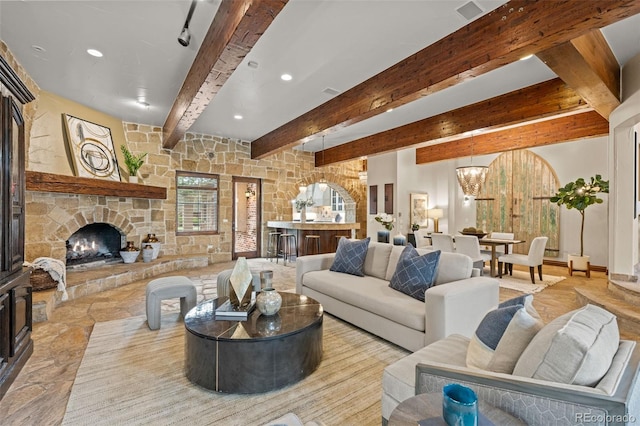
48 182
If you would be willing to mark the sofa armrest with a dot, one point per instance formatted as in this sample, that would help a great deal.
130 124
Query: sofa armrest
538 402
458 307
314 262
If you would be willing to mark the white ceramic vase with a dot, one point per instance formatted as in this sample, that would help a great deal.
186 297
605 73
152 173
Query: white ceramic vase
269 301
129 256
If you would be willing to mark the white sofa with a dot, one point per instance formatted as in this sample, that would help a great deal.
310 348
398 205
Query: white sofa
455 304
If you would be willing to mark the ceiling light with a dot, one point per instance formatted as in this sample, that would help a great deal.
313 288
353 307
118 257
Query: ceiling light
38 48
252 64
143 103
238 117
323 182
471 177
94 52
524 58
390 109
185 37
286 77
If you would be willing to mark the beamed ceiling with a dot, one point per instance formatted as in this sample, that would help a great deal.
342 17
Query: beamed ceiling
445 77
565 37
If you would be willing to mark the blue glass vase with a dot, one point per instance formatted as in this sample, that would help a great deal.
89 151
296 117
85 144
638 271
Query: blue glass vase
383 236
459 405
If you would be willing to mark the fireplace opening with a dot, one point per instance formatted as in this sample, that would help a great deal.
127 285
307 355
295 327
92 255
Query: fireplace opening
96 242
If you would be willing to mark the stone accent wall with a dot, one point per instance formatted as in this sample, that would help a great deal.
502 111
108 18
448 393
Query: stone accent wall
52 218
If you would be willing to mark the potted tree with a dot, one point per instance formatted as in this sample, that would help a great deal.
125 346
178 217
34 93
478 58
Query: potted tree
579 195
133 163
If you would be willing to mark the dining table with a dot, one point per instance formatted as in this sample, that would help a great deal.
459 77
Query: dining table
493 243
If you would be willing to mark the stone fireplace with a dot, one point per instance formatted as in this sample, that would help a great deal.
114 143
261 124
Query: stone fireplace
94 243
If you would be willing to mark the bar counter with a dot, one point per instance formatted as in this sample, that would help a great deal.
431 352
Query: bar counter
328 231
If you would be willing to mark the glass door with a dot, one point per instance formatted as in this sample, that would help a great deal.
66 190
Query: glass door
246 217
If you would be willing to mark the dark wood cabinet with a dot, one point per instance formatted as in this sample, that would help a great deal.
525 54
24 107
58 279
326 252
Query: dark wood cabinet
15 289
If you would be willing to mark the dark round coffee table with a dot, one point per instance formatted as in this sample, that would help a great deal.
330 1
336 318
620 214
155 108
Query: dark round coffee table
260 354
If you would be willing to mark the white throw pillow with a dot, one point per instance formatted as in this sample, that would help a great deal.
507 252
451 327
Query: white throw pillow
576 348
503 334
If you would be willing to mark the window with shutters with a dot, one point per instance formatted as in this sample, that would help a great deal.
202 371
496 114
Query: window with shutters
196 203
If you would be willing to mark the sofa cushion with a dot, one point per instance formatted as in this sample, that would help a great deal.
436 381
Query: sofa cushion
377 260
394 256
371 294
503 334
575 348
415 273
452 267
350 256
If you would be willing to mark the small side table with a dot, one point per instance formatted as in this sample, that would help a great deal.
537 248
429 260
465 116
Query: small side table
427 405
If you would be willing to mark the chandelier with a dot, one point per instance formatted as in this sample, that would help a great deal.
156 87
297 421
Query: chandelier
362 175
323 182
471 177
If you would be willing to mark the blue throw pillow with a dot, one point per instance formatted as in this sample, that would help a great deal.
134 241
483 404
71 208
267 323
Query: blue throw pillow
414 274
503 334
350 256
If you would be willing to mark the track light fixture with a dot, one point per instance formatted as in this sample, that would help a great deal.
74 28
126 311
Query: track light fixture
185 35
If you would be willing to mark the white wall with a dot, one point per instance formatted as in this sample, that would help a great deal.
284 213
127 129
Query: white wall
381 169
570 160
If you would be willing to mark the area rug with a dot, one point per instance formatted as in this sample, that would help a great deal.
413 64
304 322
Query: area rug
521 281
132 375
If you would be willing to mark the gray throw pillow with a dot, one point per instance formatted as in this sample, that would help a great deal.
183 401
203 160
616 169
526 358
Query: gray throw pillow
503 334
576 348
414 273
350 255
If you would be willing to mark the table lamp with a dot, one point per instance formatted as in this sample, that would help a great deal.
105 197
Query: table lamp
435 214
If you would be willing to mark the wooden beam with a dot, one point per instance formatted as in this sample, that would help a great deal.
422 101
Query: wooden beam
564 129
49 182
234 31
542 100
588 65
513 30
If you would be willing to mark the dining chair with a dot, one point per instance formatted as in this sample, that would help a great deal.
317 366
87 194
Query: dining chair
422 238
532 259
469 245
442 242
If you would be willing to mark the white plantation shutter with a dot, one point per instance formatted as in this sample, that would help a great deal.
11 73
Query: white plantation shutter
196 203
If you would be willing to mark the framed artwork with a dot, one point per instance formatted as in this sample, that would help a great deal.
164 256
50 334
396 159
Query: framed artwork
373 199
91 149
388 198
418 209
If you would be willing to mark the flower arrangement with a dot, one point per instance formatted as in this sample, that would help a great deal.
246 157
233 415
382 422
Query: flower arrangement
301 204
415 227
386 220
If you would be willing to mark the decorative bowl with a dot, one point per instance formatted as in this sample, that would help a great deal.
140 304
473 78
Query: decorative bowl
476 234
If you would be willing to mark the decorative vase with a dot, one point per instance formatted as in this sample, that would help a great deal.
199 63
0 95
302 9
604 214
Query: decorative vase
383 236
147 253
129 253
459 405
269 301
153 241
303 215
265 279
399 240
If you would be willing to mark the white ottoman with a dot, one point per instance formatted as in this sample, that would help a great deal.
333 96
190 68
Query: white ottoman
169 288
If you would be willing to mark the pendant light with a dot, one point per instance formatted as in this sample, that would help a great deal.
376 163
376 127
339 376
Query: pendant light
323 182
471 177
302 188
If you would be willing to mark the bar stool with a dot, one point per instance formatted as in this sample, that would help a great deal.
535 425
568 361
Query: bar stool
337 240
314 241
273 245
288 250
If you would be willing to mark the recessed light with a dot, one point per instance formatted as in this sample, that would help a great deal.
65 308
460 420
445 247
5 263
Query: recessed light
524 58
143 103
38 48
286 77
252 64
238 117
95 52
390 109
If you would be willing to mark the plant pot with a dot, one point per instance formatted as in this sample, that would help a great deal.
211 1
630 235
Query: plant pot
383 236
129 256
133 179
575 262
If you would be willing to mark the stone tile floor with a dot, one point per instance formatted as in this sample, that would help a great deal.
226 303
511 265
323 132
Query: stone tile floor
40 393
